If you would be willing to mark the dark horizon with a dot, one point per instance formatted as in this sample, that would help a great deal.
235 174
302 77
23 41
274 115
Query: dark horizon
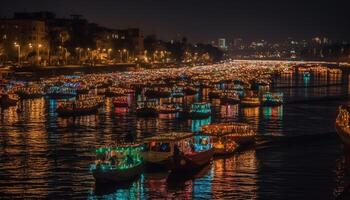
202 21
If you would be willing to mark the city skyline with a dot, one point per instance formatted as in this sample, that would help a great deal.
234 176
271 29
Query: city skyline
203 21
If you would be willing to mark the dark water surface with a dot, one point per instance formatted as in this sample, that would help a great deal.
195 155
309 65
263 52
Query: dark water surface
298 155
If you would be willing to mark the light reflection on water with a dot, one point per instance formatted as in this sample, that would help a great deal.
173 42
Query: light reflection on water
46 156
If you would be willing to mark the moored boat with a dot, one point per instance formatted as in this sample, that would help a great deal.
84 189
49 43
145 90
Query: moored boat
342 125
77 107
229 97
167 108
57 92
240 133
272 99
117 163
121 101
30 92
250 100
147 108
200 110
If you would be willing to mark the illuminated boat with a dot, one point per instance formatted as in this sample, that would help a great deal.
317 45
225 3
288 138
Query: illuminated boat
168 108
30 92
99 100
342 125
229 97
78 107
121 101
158 92
117 163
177 92
83 89
8 100
272 99
179 152
240 133
147 108
200 110
250 100
56 92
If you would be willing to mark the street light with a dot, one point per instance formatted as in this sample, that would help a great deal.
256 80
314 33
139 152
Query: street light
19 52
38 53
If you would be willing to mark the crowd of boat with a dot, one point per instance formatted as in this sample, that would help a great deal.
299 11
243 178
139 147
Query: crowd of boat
245 83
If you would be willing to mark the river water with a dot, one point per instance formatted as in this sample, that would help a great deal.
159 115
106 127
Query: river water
297 156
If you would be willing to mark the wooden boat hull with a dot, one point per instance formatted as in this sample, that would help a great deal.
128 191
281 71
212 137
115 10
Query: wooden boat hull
188 163
343 134
77 112
117 175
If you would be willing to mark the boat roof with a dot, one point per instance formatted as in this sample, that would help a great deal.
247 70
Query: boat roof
118 146
219 128
170 137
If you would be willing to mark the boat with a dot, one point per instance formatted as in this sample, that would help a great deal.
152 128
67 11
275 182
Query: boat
57 92
200 110
147 108
229 97
99 100
272 99
178 151
121 101
168 108
342 125
31 92
240 133
250 100
117 163
177 92
77 107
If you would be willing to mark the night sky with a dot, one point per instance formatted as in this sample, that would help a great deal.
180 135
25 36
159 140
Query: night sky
203 20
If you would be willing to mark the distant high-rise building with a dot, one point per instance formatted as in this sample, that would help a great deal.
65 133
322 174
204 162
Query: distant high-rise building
222 43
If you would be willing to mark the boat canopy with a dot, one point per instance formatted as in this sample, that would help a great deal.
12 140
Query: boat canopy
273 96
118 157
169 137
200 107
221 129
